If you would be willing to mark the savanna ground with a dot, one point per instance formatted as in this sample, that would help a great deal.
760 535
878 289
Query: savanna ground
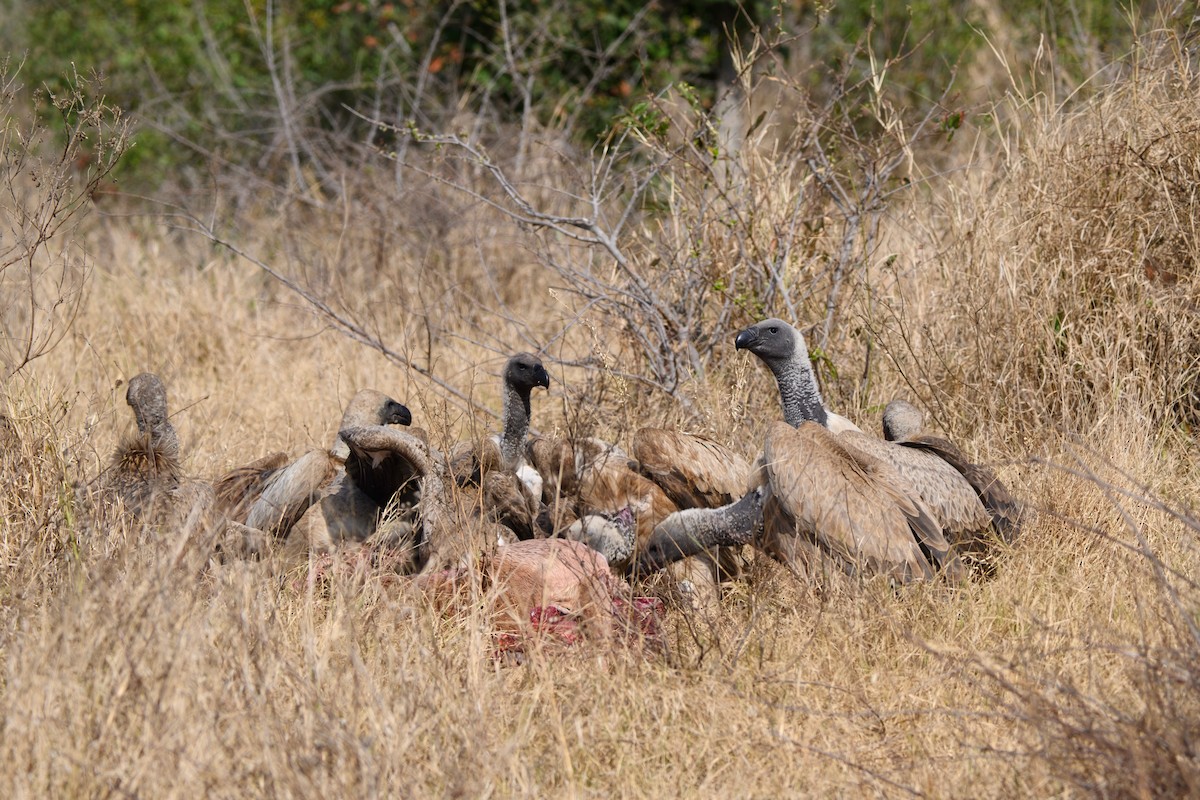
1031 281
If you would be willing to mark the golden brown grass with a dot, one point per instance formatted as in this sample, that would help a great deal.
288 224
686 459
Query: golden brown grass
1028 306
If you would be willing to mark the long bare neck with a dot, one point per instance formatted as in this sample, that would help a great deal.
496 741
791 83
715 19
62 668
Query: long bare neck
516 427
154 424
798 392
688 532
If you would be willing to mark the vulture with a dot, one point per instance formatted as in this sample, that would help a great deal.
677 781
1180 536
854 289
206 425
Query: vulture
496 486
145 473
620 500
337 496
389 465
868 505
614 503
903 423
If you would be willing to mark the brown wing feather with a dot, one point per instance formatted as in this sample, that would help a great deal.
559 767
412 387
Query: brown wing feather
507 501
471 460
943 489
608 485
845 501
495 494
237 489
1002 507
694 471
289 491
554 459
800 553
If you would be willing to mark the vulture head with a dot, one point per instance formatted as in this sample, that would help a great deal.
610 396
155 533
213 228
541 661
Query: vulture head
369 407
525 371
901 421
772 340
781 347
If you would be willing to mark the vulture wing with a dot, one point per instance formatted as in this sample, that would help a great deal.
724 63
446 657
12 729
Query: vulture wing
507 500
694 471
944 490
238 489
554 461
288 492
607 486
385 461
850 503
1002 507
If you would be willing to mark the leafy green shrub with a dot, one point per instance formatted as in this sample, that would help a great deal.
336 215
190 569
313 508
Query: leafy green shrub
269 85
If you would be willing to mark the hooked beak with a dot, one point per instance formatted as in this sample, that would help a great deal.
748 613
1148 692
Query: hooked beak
746 339
541 378
398 414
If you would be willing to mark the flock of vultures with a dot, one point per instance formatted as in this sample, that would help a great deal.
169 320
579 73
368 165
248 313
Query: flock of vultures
556 525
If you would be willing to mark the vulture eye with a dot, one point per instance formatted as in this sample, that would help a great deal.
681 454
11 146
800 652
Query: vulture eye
774 329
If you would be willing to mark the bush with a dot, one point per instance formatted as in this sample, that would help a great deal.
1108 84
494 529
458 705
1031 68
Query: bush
280 88
45 188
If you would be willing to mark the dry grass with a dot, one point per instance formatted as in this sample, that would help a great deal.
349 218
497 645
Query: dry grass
129 670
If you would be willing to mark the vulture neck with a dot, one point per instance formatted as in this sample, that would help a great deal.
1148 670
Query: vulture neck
516 427
798 392
350 419
153 424
694 530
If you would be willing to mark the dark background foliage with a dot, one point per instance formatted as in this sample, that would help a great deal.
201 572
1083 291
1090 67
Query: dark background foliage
228 80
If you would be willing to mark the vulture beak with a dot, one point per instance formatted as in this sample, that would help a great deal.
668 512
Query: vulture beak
398 414
541 377
746 339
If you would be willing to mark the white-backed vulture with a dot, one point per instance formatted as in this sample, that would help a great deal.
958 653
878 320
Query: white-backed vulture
392 465
903 423
145 471
854 506
490 475
873 506
274 493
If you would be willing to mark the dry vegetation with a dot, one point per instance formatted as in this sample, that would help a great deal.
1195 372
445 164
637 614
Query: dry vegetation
1040 298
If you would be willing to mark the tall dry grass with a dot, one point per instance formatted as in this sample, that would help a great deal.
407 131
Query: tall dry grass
1040 301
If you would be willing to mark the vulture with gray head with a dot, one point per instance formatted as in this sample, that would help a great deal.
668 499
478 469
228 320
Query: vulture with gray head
903 423
145 473
393 466
492 480
338 497
871 506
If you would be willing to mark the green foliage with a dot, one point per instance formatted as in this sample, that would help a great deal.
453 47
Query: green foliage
936 34
203 71
925 42
216 74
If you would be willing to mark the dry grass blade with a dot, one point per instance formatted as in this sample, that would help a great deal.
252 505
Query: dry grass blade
1034 288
